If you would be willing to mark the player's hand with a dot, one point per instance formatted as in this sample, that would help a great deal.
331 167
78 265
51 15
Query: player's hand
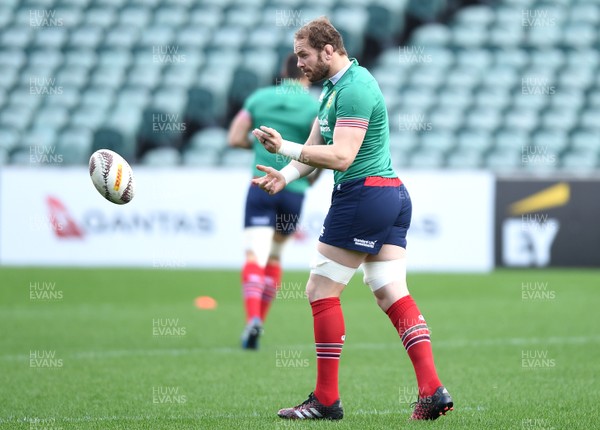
272 182
269 137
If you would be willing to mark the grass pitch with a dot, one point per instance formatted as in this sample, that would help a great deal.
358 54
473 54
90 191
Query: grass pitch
127 349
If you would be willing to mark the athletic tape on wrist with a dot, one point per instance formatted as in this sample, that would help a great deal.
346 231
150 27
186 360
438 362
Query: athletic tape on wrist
290 149
290 173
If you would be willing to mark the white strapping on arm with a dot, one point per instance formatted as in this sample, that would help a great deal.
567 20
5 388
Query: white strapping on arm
290 149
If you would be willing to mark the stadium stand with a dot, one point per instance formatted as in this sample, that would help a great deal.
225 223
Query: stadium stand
468 84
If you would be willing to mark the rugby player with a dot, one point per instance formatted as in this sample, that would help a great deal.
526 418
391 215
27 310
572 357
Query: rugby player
366 224
271 219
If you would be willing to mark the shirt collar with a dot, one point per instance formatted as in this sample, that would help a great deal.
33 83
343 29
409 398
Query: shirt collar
335 78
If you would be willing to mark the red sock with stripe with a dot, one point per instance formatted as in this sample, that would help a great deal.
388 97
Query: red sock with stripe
329 339
413 330
272 283
253 280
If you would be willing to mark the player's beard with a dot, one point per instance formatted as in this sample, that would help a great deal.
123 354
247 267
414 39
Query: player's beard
320 71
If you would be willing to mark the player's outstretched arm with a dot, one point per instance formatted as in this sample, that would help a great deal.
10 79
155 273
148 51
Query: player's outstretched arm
338 156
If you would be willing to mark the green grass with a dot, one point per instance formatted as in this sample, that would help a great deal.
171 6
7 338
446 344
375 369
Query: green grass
107 361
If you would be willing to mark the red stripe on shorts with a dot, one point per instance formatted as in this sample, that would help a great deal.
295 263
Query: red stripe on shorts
378 181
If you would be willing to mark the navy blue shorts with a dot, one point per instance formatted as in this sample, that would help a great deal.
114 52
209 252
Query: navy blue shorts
280 211
367 212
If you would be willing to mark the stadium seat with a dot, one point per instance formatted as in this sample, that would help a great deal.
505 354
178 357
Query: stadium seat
587 13
242 16
577 77
506 35
548 58
463 77
86 37
437 140
161 157
231 37
580 35
477 59
52 117
457 97
484 118
206 17
4 157
551 140
425 76
50 38
521 119
465 159
561 118
170 16
75 145
75 76
193 37
543 36
199 158
589 119
90 117
170 99
580 162
433 34
134 17
9 137
426 159
587 140
83 58
157 38
178 75
471 140
102 17
478 15
511 139
212 138
122 37
503 161
497 97
98 96
16 37
403 141
446 118
516 58
110 138
469 36
234 157
200 110
107 77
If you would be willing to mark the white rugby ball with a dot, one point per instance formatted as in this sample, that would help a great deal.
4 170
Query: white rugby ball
112 176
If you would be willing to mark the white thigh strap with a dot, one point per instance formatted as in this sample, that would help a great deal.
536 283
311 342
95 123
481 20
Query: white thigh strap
381 273
337 272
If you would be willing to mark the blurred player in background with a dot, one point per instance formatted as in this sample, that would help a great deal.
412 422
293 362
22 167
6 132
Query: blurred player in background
270 220
366 224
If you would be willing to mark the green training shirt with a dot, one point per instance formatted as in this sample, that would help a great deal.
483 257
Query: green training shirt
291 110
355 100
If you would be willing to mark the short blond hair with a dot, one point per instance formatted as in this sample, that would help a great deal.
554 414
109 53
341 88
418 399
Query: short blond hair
320 32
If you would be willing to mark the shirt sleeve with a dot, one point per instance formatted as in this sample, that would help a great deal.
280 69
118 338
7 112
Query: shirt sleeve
250 105
353 107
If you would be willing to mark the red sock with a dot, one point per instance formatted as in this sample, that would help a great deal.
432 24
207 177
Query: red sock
272 283
252 288
329 339
411 326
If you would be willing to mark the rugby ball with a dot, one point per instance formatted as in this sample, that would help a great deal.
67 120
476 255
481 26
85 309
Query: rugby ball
112 176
